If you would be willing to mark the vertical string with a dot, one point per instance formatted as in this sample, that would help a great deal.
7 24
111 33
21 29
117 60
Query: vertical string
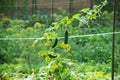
11 8
70 7
16 8
52 8
91 4
113 39
34 6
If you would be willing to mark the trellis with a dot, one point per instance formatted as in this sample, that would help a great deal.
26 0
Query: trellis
34 6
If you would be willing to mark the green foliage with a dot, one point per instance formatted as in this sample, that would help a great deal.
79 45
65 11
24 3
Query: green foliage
25 5
3 4
106 20
84 17
5 23
109 6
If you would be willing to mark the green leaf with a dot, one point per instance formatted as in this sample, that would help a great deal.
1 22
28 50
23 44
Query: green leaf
85 10
92 16
35 42
53 68
50 35
76 16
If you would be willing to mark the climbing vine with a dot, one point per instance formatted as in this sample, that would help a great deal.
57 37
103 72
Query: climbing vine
58 67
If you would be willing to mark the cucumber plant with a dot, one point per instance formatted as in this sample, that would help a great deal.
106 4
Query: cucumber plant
56 68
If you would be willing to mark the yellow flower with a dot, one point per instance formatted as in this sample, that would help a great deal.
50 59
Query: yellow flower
106 77
50 35
48 43
66 46
48 59
89 78
98 74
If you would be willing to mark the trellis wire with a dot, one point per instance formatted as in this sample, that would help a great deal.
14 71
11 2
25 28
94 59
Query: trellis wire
77 36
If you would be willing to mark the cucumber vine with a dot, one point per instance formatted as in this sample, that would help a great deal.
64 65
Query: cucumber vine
58 67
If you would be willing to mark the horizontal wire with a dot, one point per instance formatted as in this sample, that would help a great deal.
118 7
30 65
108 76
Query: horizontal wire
42 38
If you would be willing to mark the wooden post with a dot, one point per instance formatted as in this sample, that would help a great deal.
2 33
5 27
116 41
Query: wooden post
113 40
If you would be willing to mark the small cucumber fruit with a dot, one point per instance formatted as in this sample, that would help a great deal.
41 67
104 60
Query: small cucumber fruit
66 37
55 43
